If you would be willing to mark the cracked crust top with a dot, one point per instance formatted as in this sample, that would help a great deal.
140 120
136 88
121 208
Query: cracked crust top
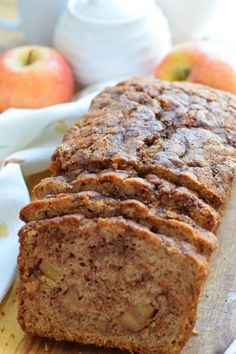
181 132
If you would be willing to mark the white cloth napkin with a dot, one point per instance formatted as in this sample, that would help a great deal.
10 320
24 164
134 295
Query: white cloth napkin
19 128
27 138
13 195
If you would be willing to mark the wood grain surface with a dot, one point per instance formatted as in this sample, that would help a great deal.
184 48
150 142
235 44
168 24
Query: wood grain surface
216 324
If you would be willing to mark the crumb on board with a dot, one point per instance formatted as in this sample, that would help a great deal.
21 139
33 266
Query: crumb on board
61 127
46 348
195 332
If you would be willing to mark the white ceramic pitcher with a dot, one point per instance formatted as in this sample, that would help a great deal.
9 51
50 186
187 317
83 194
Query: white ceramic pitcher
109 39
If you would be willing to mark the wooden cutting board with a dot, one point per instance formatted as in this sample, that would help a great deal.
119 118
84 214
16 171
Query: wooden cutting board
216 324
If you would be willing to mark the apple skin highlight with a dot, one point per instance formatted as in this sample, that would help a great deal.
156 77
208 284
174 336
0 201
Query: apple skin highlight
202 62
34 77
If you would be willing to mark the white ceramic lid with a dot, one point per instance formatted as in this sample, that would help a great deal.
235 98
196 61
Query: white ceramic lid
109 11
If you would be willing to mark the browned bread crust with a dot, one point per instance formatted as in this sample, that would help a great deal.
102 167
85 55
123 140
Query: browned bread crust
116 250
153 191
184 133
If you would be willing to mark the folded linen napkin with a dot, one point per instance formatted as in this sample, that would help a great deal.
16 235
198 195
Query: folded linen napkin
27 140
13 195
19 128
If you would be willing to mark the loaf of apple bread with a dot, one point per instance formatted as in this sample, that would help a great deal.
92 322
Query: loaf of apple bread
115 250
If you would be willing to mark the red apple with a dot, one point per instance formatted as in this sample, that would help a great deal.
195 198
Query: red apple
34 77
203 62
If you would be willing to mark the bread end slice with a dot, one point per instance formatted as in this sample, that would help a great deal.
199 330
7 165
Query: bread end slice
108 282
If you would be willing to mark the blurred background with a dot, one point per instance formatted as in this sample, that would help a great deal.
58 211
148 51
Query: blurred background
107 40
218 16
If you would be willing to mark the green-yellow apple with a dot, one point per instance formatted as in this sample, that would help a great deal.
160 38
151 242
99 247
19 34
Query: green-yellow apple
34 77
204 62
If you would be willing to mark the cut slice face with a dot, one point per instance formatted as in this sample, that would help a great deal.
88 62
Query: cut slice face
117 284
123 184
92 204
153 191
51 186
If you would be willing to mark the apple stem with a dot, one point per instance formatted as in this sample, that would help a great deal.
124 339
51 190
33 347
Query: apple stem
183 74
30 58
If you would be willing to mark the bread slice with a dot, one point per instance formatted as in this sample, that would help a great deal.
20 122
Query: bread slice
92 204
184 133
151 191
121 184
108 282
